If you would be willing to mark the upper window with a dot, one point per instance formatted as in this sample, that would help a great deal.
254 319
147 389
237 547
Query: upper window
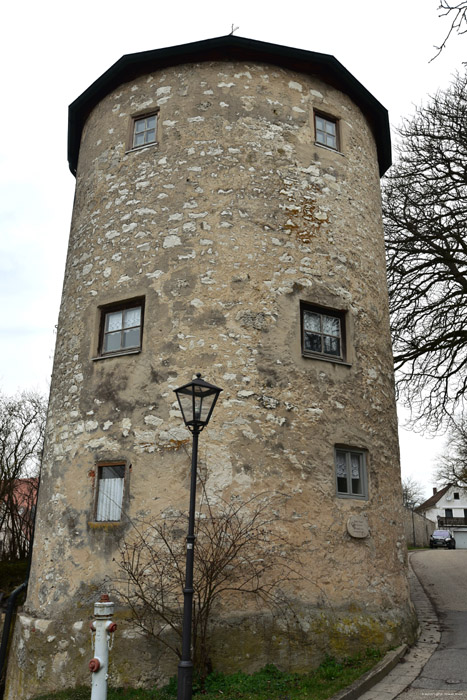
110 483
121 327
323 332
144 130
456 496
351 476
326 132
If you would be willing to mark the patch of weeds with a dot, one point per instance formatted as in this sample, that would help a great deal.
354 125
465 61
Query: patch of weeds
267 684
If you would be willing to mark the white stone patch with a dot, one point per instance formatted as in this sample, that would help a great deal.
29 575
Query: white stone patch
123 278
153 420
295 86
162 100
171 241
176 217
316 93
195 119
87 269
298 109
190 226
107 425
244 394
154 275
107 272
273 419
194 169
169 122
126 427
197 303
163 91
223 104
126 228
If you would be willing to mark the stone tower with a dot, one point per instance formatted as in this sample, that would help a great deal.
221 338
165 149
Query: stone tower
226 220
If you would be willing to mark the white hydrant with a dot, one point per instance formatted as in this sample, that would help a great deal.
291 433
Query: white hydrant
101 629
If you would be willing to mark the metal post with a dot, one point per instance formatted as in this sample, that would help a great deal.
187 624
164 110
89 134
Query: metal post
185 667
99 665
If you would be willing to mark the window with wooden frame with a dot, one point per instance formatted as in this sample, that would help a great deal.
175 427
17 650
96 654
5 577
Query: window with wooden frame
351 473
144 130
109 491
326 131
121 327
323 332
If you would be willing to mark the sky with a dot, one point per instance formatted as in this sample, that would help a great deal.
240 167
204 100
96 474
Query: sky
51 51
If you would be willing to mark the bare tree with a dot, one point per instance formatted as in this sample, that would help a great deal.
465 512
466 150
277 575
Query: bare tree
457 12
412 492
452 467
425 210
22 423
239 552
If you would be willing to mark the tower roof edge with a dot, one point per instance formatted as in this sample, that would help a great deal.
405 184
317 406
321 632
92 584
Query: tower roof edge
230 47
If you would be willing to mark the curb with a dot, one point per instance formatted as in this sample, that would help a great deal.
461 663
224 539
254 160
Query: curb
373 676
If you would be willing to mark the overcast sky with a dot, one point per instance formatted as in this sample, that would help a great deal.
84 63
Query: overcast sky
52 51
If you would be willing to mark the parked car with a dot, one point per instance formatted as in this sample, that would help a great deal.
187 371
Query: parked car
442 538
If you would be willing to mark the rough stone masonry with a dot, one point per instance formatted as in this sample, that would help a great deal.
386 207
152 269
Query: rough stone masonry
226 220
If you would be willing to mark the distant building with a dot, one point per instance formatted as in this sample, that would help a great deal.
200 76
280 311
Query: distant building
227 220
448 509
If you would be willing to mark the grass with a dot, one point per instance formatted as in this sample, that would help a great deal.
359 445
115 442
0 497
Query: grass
267 684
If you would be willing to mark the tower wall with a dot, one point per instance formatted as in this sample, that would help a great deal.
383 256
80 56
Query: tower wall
227 228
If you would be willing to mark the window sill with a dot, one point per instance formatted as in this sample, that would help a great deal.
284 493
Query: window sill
104 524
116 354
328 148
141 148
334 361
352 496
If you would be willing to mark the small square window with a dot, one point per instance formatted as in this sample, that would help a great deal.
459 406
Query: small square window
110 483
351 478
121 328
323 332
144 130
326 132
456 496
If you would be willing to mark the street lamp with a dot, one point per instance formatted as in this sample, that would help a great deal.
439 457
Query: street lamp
197 400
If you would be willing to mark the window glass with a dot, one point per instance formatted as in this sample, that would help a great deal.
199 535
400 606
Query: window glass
326 131
144 130
110 492
121 329
351 473
322 333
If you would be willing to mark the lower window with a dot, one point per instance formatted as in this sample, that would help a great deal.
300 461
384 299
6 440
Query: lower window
121 327
110 483
351 477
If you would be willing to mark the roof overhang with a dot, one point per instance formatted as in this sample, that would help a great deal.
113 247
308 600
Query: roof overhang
227 48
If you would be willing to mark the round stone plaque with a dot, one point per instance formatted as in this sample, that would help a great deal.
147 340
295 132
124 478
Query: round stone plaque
357 526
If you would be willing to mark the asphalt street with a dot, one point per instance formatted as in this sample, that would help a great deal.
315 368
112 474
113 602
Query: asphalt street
443 575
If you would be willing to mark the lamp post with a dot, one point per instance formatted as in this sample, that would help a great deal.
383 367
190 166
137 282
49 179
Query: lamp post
197 400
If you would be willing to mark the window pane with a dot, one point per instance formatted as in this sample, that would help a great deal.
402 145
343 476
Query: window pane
313 342
139 139
151 122
341 464
332 346
150 136
331 128
113 321
331 325
110 493
132 317
140 125
331 141
312 321
131 338
320 123
112 342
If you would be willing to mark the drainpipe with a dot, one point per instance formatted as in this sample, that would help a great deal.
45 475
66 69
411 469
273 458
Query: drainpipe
103 627
6 633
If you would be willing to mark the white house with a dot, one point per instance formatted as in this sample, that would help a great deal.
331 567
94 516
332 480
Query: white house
448 508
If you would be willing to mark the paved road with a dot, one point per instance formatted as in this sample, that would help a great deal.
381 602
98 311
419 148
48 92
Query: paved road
443 574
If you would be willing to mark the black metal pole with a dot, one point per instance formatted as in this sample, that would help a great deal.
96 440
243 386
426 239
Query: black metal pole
185 667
